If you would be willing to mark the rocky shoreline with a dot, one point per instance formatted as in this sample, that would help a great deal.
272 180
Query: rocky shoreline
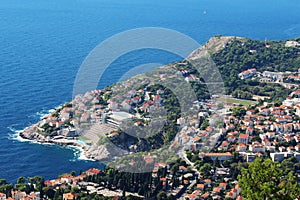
93 152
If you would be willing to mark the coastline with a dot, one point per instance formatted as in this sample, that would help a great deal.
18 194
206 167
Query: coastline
21 137
86 152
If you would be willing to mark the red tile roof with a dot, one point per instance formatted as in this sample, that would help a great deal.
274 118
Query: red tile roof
93 171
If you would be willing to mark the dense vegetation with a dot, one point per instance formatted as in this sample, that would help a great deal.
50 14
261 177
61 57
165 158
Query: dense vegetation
235 58
268 180
145 184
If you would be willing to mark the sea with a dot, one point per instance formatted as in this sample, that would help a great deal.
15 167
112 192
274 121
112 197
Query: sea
44 42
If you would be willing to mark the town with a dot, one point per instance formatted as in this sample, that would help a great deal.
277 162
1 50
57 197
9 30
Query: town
214 140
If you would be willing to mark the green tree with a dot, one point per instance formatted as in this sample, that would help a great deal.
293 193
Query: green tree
264 180
238 111
161 196
21 180
205 169
2 182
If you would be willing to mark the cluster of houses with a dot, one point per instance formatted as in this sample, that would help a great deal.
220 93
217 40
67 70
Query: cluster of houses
63 182
111 106
19 195
284 78
262 129
265 76
234 193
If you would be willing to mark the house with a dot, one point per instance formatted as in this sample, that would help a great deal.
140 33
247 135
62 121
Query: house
281 120
239 198
231 119
271 149
66 178
85 117
191 196
34 196
266 142
64 116
69 196
223 186
2 196
207 182
265 112
51 183
257 147
159 91
231 138
249 131
230 127
181 168
17 194
205 196
200 186
270 135
216 190
273 75
278 128
248 122
93 171
230 195
243 138
219 156
247 73
291 149
186 182
224 145
287 128
191 78
282 149
241 147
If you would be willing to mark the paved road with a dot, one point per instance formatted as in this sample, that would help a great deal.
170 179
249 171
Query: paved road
182 155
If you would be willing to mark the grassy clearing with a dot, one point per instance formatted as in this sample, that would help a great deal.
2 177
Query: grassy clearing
237 101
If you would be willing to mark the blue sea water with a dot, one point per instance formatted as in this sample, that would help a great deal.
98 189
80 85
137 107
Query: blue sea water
43 43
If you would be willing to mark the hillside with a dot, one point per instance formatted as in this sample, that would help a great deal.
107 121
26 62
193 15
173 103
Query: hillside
165 130
164 94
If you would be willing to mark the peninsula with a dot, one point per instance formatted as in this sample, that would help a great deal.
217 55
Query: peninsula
252 128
